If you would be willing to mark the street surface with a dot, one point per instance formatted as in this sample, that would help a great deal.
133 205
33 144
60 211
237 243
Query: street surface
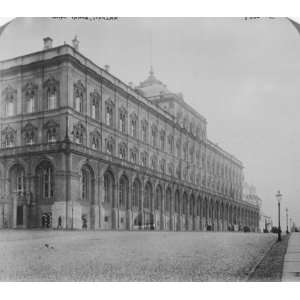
129 256
291 267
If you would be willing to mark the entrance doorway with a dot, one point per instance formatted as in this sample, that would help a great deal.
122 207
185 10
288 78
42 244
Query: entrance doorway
46 220
20 215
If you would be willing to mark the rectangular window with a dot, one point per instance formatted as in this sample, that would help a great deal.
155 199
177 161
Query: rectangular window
51 100
10 108
30 105
94 111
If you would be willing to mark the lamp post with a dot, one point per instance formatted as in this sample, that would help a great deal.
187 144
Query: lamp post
279 196
287 220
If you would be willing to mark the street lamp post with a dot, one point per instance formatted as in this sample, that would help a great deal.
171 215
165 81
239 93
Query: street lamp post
279 196
287 221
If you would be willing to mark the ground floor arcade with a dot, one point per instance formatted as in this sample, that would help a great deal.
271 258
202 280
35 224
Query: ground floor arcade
72 191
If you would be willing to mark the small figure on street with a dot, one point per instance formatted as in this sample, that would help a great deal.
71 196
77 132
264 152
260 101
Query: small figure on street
59 223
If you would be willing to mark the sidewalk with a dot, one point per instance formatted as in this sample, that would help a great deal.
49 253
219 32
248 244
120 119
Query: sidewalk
291 266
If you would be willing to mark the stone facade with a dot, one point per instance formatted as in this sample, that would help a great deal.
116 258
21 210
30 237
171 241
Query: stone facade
81 149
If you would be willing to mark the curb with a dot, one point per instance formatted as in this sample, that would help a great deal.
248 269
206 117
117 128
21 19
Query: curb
259 261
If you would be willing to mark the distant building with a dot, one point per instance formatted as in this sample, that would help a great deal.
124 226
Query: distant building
81 149
265 223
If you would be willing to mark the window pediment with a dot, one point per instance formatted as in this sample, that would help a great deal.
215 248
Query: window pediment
51 82
79 87
50 124
29 128
30 89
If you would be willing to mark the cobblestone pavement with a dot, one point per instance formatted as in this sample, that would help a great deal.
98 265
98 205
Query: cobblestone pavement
129 256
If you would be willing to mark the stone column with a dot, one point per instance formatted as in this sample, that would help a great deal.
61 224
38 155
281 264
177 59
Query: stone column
116 220
129 210
162 209
100 202
141 208
171 212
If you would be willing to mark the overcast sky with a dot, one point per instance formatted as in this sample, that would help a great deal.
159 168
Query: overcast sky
243 76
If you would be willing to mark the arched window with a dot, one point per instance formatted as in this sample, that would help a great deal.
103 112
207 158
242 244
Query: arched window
163 165
20 180
154 135
45 180
30 94
108 188
134 122
144 131
168 200
154 162
122 120
177 202
78 133
10 108
29 134
171 169
10 100
171 143
144 159
51 90
51 135
122 151
123 192
8 137
109 145
30 105
136 194
148 196
51 99
109 112
134 155
95 99
78 96
158 198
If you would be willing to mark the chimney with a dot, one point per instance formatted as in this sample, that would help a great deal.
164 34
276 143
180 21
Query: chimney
107 68
47 43
75 43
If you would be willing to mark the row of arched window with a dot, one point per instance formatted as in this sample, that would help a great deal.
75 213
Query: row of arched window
44 180
29 134
31 102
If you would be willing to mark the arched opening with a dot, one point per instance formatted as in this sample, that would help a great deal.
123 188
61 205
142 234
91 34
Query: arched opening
123 221
45 192
109 200
136 194
158 198
136 203
87 186
17 190
148 207
123 192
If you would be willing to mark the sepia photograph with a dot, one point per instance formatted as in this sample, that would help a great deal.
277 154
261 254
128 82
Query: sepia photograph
138 149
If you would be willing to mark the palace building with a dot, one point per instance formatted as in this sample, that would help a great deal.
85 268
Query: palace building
82 150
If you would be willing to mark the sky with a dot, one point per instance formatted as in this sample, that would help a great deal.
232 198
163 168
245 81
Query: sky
243 76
